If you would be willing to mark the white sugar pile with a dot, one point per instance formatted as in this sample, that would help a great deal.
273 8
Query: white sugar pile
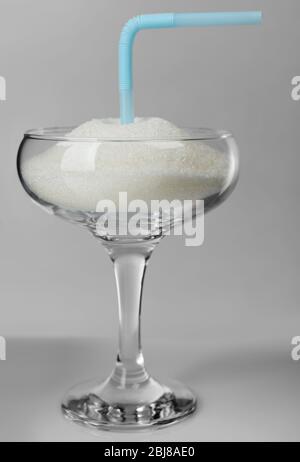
76 175
153 128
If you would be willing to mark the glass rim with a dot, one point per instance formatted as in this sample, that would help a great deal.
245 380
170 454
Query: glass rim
63 134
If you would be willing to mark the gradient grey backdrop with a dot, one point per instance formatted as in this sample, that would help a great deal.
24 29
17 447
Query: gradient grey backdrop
237 293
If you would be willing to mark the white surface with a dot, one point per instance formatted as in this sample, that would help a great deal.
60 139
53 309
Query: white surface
249 393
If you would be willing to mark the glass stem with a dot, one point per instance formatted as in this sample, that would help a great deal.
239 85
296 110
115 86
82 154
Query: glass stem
130 261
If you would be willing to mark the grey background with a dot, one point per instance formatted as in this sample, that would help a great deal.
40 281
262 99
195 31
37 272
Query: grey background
233 302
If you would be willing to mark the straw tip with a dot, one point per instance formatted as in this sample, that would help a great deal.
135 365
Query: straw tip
258 15
252 17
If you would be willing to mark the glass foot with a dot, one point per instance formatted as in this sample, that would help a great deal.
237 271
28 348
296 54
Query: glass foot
107 406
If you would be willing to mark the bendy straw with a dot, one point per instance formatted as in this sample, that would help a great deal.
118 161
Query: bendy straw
166 20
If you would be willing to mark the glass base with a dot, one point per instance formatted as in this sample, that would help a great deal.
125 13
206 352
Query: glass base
108 406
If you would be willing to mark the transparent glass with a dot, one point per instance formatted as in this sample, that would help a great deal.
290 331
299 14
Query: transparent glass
69 177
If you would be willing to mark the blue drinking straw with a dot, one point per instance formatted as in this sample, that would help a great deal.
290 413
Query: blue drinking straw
166 20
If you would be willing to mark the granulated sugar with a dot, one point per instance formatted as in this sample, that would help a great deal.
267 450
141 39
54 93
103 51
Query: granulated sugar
153 128
76 175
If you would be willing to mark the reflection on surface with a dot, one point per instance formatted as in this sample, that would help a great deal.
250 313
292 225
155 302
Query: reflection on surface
250 393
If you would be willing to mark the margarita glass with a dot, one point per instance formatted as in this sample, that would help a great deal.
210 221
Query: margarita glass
68 176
